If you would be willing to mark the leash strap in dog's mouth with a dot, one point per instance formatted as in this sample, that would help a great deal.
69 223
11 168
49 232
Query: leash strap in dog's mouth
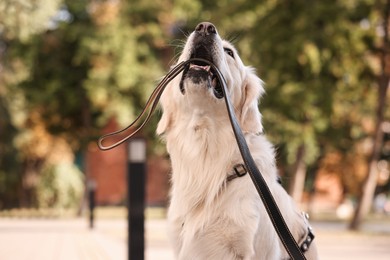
273 210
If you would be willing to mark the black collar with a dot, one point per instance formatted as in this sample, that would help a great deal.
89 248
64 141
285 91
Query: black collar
239 170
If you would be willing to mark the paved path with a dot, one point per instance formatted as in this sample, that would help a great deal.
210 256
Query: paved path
48 239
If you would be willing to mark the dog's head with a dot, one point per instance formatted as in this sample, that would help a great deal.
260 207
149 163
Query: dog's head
198 88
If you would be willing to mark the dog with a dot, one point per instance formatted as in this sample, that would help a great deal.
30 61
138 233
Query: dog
213 213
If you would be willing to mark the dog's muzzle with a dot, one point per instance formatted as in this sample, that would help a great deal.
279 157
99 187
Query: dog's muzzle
203 46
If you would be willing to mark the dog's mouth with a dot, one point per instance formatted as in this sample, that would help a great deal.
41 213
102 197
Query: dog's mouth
199 71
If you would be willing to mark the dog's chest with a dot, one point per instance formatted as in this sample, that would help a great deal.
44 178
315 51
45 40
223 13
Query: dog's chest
201 133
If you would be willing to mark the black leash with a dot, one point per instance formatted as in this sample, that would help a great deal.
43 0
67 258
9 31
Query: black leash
273 211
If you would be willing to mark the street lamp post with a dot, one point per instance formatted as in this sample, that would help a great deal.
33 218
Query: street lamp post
91 188
136 197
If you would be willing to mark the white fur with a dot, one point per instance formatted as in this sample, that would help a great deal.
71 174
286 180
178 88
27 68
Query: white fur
210 218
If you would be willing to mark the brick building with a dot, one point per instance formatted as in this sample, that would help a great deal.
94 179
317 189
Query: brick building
108 169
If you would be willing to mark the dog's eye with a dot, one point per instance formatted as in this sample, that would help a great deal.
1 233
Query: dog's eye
229 52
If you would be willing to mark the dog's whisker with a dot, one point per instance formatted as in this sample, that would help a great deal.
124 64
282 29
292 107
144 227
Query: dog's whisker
177 43
234 38
185 33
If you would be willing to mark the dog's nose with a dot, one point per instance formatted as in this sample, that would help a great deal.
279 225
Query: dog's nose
206 28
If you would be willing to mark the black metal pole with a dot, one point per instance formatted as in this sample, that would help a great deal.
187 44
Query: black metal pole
91 186
136 198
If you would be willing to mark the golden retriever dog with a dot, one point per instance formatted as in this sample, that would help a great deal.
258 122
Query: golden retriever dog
215 214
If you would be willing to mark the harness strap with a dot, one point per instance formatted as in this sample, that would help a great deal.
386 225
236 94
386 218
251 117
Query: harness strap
262 188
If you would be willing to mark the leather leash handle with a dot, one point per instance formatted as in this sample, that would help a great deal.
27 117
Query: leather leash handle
151 103
273 210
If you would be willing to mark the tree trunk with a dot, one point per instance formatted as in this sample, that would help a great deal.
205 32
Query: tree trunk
370 183
298 181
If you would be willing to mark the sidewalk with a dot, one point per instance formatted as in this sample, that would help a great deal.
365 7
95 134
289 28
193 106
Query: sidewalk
71 239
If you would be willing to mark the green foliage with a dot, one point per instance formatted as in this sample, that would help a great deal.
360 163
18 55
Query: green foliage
315 53
88 62
22 18
19 20
60 186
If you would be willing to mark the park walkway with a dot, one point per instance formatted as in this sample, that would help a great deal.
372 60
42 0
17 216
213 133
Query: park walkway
71 239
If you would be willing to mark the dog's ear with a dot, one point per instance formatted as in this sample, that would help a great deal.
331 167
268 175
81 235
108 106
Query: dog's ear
168 108
250 115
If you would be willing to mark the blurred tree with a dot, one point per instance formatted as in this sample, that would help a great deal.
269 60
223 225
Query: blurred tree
19 20
312 65
9 162
90 62
382 11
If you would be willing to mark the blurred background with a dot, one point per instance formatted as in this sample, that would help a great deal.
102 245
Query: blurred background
71 71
